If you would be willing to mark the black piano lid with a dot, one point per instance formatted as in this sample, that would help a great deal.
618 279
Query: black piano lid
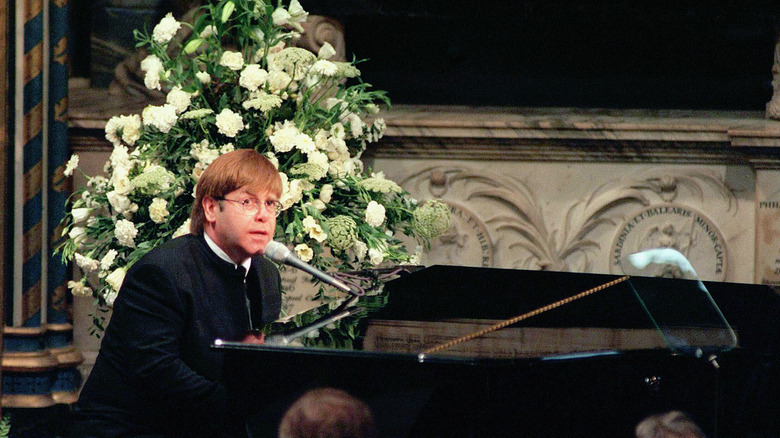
453 295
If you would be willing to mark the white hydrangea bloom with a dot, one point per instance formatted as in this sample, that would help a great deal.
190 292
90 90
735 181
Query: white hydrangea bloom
229 123
158 210
125 233
252 77
165 29
232 60
375 214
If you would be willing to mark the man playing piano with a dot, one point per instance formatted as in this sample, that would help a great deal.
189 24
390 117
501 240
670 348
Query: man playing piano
155 374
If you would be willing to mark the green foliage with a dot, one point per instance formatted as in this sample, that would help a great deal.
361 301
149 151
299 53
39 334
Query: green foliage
233 82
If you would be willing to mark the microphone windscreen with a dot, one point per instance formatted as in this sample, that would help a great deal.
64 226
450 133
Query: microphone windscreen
276 251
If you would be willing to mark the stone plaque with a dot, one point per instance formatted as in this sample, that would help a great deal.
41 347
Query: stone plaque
673 226
768 227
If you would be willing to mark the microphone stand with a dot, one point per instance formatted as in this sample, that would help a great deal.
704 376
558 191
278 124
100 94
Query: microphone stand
340 312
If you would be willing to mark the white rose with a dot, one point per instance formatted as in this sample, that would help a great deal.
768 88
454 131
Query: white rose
116 278
125 233
272 158
252 77
318 158
153 66
208 31
229 123
87 264
232 60
78 234
326 193
325 68
375 256
131 128
78 288
303 252
356 125
80 215
108 259
180 100
72 164
279 81
161 117
326 51
203 77
119 202
375 214
182 230
360 249
158 210
122 184
165 29
284 139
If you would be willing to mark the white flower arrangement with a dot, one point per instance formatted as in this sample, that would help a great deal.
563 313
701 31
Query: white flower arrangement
236 83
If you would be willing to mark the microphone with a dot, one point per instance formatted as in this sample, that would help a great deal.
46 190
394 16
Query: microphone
286 338
281 254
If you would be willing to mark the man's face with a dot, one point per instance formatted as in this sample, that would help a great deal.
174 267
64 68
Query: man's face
234 228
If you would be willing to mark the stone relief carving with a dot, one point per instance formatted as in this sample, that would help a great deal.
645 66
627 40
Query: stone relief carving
773 107
501 216
317 31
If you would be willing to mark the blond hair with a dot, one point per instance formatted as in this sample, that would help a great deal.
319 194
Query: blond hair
229 172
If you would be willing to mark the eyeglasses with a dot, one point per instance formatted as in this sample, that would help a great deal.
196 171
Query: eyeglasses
251 205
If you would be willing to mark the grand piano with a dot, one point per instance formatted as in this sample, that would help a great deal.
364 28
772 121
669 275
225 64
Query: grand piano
587 367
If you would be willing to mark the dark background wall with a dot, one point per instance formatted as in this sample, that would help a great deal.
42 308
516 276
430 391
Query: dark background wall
616 54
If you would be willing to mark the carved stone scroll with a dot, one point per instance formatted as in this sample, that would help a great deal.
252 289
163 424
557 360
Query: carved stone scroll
773 107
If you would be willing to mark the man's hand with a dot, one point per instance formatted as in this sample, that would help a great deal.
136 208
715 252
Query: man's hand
254 337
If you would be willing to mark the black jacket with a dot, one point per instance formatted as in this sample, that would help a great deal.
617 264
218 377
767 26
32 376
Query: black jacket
155 373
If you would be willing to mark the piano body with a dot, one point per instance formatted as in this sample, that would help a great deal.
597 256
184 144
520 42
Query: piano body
593 367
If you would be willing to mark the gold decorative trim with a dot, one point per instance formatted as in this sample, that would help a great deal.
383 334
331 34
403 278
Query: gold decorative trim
64 327
67 398
29 332
67 356
28 401
29 362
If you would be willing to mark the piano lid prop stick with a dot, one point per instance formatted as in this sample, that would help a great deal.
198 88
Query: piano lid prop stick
519 318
